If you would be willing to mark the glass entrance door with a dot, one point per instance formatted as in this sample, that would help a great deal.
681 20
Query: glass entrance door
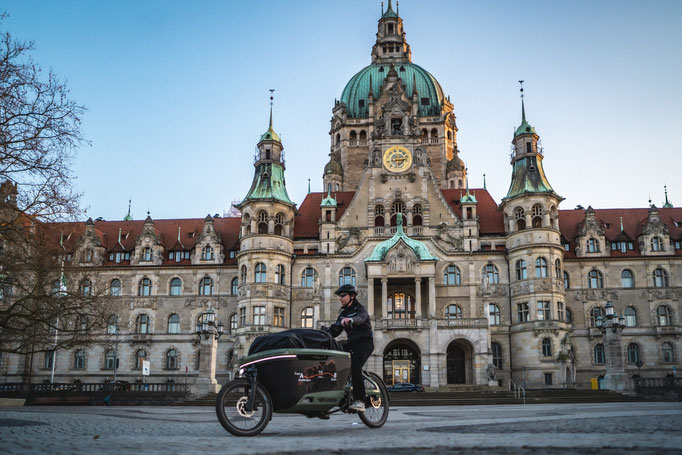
401 371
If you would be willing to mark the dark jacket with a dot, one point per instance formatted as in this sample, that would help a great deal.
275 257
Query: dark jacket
360 328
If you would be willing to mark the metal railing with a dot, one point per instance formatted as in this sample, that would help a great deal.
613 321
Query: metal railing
518 389
118 386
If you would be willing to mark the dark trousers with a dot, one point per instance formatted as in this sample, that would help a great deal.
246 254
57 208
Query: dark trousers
360 351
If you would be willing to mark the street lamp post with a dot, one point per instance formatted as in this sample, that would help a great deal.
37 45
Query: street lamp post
611 326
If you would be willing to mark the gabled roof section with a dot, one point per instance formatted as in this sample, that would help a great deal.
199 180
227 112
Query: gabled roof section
490 219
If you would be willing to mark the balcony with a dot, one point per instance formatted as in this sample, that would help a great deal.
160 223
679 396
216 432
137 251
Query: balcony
463 322
388 324
379 231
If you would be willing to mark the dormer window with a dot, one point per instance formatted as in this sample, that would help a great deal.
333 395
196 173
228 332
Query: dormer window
178 256
592 246
656 244
147 254
119 257
88 255
207 253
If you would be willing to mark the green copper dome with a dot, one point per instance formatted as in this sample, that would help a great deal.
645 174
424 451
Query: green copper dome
419 248
333 167
357 90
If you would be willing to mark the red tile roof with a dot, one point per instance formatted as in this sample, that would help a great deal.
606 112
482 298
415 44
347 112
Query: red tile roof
490 217
306 223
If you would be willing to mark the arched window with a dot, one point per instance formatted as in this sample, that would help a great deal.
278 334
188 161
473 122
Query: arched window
206 286
115 287
630 317
144 287
453 312
626 279
417 215
491 272
536 215
260 273
233 322
557 269
541 268
493 314
140 356
79 359
86 287
520 217
664 315
207 253
595 314
279 223
307 317
397 207
667 352
142 324
171 359
546 347
147 254
308 277
234 284
599 356
338 139
174 323
400 306
633 353
521 270
346 276
110 359
280 277
497 355
452 275
595 279
567 280
592 246
176 286
262 223
378 216
660 278
242 277
656 244
112 324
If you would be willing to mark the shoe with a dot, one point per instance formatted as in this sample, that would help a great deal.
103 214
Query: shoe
357 405
323 416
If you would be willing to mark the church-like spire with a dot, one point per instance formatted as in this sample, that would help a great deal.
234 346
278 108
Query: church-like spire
525 127
128 217
270 134
391 46
667 204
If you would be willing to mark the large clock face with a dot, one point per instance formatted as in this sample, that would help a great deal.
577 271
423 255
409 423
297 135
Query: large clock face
397 159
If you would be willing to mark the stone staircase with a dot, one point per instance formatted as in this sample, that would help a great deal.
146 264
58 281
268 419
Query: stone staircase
480 395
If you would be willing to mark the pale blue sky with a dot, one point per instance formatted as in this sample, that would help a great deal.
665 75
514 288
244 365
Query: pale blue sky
177 91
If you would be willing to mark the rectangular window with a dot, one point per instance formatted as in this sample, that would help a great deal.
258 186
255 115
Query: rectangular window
259 315
560 311
528 147
242 317
361 103
567 246
425 101
544 313
171 255
279 317
232 254
548 378
522 311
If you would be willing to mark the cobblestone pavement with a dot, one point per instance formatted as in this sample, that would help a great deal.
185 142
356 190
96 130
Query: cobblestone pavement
607 429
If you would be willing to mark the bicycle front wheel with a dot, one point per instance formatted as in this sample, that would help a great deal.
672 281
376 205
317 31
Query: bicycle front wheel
232 412
376 404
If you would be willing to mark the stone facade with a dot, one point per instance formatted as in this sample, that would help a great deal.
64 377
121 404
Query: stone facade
472 283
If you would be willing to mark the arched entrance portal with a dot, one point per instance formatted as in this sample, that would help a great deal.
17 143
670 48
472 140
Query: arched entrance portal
459 362
402 362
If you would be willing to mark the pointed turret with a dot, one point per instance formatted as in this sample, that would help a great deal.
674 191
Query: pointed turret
391 46
128 217
667 204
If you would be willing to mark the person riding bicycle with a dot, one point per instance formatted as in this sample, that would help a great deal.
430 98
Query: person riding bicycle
354 319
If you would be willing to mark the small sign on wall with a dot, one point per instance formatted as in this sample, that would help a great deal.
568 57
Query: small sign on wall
145 367
426 368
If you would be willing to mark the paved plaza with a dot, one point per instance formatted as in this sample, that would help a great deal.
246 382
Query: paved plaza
613 428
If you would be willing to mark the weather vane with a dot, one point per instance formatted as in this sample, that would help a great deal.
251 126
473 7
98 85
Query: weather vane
272 90
521 83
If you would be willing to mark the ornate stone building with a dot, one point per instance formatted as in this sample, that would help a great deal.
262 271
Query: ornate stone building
454 281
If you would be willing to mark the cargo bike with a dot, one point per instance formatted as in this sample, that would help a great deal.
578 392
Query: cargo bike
299 371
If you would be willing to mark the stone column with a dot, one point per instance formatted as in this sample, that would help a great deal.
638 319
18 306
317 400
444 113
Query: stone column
370 296
384 297
418 296
206 382
432 298
615 377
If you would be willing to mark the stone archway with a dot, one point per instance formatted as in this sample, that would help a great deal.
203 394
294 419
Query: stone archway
459 363
402 362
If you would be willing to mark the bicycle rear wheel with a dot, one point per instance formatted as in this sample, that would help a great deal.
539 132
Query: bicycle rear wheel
232 412
376 404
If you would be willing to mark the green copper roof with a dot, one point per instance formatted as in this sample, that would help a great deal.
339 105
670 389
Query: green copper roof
333 167
524 127
357 89
268 183
329 201
389 12
468 198
528 176
420 250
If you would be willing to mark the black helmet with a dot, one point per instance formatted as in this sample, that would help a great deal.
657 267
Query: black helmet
347 289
